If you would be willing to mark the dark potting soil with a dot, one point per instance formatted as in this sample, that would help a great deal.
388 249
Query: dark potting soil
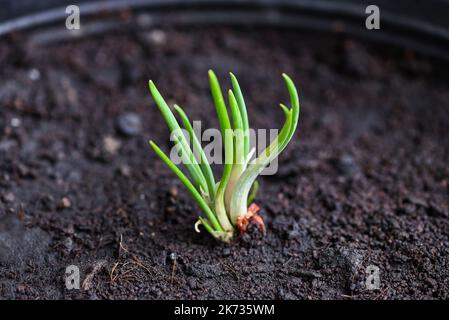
365 181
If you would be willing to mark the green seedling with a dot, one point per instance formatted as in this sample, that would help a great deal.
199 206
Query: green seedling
226 204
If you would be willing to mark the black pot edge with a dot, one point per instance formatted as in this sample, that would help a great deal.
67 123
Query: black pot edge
333 17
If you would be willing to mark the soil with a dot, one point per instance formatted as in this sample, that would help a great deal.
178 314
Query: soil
364 182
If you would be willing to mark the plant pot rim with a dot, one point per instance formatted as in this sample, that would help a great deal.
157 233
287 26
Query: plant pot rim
401 25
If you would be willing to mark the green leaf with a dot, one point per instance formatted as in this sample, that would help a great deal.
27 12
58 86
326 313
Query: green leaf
206 225
190 187
242 107
294 99
225 236
241 190
252 193
198 150
187 156
239 147
227 137
243 186
239 150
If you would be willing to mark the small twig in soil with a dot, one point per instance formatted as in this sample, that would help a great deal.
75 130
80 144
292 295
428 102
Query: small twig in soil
121 247
232 269
114 274
173 271
21 213
88 281
146 268
111 275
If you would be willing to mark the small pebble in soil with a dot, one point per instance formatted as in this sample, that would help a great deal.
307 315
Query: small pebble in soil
15 122
348 166
157 37
65 203
173 192
125 170
111 145
9 197
294 232
172 258
129 124
68 244
226 252
34 74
